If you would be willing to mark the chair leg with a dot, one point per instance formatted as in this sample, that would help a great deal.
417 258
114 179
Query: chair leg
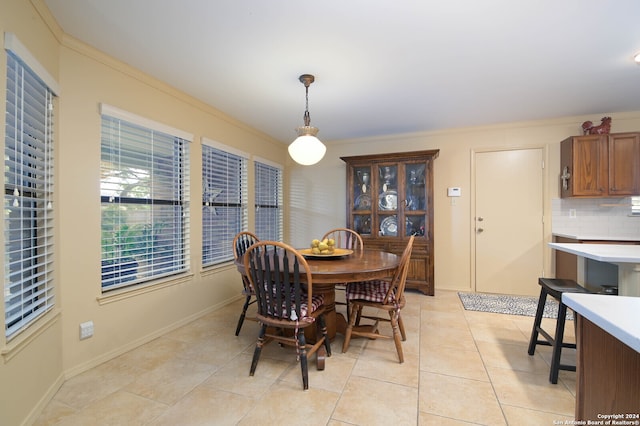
393 316
322 330
258 350
401 325
354 309
303 359
359 316
243 314
533 341
558 342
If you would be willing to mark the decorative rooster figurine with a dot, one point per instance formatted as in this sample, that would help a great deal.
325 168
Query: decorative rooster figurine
603 129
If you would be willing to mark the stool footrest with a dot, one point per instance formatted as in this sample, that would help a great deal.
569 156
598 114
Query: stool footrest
564 345
567 367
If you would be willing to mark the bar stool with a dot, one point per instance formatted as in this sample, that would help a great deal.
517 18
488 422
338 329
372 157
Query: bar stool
554 287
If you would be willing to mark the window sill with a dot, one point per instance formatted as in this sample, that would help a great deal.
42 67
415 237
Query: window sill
214 269
26 337
126 293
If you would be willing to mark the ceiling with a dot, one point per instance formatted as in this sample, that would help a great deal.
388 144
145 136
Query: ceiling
381 66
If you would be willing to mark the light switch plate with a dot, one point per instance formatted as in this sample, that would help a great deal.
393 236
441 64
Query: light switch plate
86 330
454 192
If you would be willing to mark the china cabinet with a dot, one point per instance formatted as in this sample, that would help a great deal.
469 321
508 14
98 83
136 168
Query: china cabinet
390 198
600 165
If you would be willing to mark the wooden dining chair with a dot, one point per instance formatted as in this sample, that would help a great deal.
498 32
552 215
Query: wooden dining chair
241 242
283 285
383 295
347 239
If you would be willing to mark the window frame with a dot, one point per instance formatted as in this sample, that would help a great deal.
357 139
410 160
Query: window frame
272 229
152 222
217 249
29 180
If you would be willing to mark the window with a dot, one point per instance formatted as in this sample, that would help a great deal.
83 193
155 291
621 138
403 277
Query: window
224 201
268 187
144 199
29 290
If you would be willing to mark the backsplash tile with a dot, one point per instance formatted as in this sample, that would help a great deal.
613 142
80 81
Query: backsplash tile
595 218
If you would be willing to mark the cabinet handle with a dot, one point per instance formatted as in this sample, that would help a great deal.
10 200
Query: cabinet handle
565 176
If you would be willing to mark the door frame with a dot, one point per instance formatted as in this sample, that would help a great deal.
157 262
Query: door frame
546 205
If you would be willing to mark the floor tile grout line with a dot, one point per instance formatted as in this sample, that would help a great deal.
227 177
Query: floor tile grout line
484 365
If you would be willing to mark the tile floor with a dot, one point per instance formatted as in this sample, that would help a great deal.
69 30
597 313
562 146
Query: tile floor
460 368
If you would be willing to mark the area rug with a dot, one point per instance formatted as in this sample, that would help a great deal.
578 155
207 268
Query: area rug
511 305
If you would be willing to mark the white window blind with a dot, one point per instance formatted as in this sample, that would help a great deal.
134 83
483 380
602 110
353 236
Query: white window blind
144 191
29 226
224 202
268 201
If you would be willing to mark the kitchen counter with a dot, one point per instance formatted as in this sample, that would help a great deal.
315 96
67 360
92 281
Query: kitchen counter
626 257
608 357
612 253
593 237
617 315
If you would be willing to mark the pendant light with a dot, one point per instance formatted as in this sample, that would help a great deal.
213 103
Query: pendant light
307 148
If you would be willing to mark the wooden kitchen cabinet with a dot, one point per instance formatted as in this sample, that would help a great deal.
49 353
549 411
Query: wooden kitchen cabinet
390 198
607 377
600 165
624 164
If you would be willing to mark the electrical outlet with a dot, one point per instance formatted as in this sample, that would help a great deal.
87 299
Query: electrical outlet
86 330
572 213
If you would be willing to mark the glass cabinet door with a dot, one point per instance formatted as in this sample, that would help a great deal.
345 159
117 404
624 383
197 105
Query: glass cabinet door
387 201
415 202
362 200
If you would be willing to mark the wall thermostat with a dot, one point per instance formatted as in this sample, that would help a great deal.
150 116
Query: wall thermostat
454 192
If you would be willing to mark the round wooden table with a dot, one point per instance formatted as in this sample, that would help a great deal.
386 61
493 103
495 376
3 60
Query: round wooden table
364 265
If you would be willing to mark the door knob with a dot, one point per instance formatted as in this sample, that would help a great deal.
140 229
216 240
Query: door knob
480 230
480 219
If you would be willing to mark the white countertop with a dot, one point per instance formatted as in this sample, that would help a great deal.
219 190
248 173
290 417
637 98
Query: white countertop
617 315
592 237
613 253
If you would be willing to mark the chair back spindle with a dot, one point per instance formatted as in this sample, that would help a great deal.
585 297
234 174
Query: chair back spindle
399 280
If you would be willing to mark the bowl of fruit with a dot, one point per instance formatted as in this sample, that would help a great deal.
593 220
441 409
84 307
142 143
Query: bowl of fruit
325 248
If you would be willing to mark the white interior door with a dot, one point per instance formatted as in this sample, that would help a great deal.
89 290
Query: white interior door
509 221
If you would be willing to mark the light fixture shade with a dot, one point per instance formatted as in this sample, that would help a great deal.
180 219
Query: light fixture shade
307 148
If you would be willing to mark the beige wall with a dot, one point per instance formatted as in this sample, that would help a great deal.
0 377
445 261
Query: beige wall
33 366
36 363
454 241
124 322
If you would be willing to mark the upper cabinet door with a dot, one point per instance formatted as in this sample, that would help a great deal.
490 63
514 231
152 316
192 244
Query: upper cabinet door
590 165
624 164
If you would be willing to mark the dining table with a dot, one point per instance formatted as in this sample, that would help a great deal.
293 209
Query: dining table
327 271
